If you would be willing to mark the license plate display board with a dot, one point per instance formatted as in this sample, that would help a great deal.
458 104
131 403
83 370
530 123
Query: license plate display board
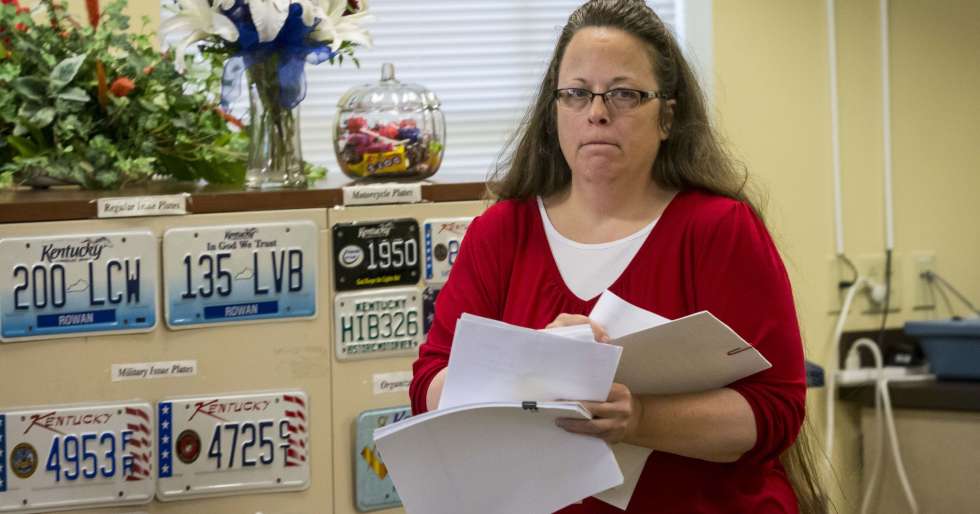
233 444
442 239
381 323
376 254
373 488
59 286
228 274
71 457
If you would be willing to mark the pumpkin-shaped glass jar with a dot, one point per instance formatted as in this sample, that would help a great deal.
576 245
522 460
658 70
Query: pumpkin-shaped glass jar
389 130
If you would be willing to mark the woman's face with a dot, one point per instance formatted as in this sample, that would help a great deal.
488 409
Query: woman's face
601 142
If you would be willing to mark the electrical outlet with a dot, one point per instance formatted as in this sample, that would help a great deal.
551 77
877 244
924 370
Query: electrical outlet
872 267
924 293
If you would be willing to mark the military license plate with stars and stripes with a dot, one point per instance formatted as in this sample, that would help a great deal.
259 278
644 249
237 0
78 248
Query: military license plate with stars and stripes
76 456
232 444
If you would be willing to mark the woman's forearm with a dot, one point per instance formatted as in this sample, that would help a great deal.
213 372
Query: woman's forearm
716 425
435 390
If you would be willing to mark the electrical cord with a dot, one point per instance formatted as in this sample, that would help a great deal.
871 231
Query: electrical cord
932 276
833 363
883 402
888 294
942 293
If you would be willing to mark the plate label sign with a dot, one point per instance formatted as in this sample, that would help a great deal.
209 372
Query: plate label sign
442 238
396 382
130 206
60 286
148 370
373 488
379 323
376 254
229 274
233 444
374 194
72 457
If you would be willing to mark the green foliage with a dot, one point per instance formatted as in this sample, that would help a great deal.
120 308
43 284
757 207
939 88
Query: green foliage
55 125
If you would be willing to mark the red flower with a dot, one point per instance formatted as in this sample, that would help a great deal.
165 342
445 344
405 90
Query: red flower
21 27
10 2
122 86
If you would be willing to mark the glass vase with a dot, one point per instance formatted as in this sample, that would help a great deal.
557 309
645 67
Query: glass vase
275 156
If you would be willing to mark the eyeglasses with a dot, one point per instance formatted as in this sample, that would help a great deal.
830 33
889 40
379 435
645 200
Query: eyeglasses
620 99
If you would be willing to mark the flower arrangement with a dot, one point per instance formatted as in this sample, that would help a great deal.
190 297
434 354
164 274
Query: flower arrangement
98 106
268 43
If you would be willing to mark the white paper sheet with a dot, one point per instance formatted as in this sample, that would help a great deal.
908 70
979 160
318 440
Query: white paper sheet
494 458
494 361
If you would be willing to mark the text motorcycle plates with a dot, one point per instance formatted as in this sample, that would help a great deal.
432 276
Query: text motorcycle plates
376 254
233 444
378 323
226 274
373 488
59 286
442 238
76 456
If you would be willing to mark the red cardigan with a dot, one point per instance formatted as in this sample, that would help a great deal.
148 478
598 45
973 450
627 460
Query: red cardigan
705 253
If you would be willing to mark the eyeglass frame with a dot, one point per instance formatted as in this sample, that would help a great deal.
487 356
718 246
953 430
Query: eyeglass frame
645 96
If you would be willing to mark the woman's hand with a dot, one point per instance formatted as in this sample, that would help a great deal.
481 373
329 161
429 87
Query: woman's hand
566 320
612 420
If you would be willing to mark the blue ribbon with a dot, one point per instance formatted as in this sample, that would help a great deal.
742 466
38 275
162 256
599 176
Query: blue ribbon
290 45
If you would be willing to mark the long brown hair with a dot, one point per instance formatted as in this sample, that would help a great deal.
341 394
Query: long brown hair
691 157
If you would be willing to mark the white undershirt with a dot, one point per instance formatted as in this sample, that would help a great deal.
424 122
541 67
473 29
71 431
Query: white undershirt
589 269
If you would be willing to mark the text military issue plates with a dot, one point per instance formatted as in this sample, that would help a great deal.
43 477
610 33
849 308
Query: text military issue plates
376 254
222 274
378 323
58 286
233 444
76 456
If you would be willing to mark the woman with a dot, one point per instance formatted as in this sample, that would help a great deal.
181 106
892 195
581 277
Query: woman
617 182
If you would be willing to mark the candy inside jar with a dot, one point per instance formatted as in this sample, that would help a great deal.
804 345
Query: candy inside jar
389 129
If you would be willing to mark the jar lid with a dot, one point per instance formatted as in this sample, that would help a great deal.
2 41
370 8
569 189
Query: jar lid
388 95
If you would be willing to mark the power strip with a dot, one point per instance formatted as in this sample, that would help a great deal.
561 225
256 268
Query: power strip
863 376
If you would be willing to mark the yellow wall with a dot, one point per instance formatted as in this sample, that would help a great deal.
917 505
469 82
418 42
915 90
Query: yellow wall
773 103
136 9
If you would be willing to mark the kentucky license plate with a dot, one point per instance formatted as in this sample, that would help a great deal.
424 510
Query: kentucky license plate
442 240
223 274
373 488
59 286
233 444
381 323
376 254
69 457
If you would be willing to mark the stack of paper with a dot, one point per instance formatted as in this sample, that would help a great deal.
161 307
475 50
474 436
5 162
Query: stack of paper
487 451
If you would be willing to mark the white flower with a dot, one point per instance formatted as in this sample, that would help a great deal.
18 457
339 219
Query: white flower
337 28
201 20
269 16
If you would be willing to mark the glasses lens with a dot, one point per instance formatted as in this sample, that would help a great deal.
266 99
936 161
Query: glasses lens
574 98
624 99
